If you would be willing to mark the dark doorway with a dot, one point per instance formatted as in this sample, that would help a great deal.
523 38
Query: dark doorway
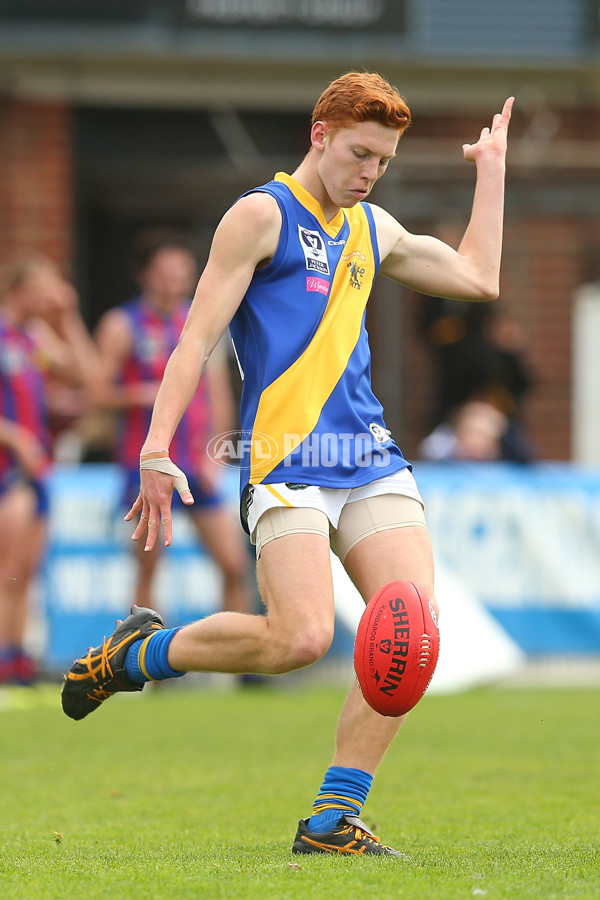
179 168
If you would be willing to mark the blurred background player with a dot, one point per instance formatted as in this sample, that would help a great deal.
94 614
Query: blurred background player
135 341
472 434
42 339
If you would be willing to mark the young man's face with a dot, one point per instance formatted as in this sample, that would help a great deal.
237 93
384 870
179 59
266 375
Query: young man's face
44 293
170 275
353 158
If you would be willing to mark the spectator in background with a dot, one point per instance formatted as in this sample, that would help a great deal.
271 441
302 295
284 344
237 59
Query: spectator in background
474 433
480 355
135 341
43 340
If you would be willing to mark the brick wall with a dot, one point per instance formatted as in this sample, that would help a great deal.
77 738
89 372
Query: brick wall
36 180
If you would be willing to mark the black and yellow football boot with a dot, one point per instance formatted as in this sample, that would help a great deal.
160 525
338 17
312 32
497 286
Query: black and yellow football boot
350 835
97 676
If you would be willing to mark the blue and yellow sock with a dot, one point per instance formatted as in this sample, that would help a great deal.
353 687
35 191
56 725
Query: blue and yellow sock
146 660
343 791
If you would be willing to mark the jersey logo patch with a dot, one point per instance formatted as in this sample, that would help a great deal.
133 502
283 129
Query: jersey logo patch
313 283
357 271
380 434
314 249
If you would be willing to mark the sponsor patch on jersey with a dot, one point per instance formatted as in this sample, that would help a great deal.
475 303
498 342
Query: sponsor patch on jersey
313 283
314 249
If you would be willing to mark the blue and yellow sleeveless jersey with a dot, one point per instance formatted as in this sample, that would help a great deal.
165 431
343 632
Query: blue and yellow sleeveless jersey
308 413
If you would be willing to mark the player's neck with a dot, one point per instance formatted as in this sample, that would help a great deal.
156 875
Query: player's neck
161 304
307 175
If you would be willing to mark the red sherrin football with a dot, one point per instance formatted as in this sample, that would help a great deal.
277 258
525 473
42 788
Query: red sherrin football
396 648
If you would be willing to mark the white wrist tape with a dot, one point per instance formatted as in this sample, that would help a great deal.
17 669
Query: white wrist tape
167 467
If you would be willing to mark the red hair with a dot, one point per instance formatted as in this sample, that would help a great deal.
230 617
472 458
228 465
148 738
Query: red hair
362 97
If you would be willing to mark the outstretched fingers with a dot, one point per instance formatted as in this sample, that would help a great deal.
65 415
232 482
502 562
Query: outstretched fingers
135 508
142 523
146 522
151 518
494 139
152 531
503 118
149 523
158 476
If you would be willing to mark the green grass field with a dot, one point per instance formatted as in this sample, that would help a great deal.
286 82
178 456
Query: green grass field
196 793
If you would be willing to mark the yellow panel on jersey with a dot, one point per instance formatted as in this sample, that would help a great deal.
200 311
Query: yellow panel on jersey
292 404
313 206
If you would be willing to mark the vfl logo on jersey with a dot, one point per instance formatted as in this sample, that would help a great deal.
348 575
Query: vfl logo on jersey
315 251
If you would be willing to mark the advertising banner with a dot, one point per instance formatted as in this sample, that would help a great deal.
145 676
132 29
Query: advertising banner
523 541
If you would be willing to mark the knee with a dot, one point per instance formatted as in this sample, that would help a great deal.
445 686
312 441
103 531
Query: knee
302 650
234 570
428 597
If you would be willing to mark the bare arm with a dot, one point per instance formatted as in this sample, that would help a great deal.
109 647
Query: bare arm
30 455
220 390
65 341
247 235
472 272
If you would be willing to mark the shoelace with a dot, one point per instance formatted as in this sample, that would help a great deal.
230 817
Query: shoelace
360 834
99 694
103 659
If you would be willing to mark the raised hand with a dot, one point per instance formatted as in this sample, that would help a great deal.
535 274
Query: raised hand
491 140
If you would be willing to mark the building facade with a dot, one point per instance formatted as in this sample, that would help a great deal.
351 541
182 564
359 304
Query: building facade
135 112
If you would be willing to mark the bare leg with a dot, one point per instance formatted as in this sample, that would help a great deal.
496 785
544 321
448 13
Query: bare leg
363 736
21 540
296 631
32 552
146 570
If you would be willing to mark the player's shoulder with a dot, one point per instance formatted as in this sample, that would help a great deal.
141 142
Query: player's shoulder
382 217
253 224
116 327
257 207
118 317
389 230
